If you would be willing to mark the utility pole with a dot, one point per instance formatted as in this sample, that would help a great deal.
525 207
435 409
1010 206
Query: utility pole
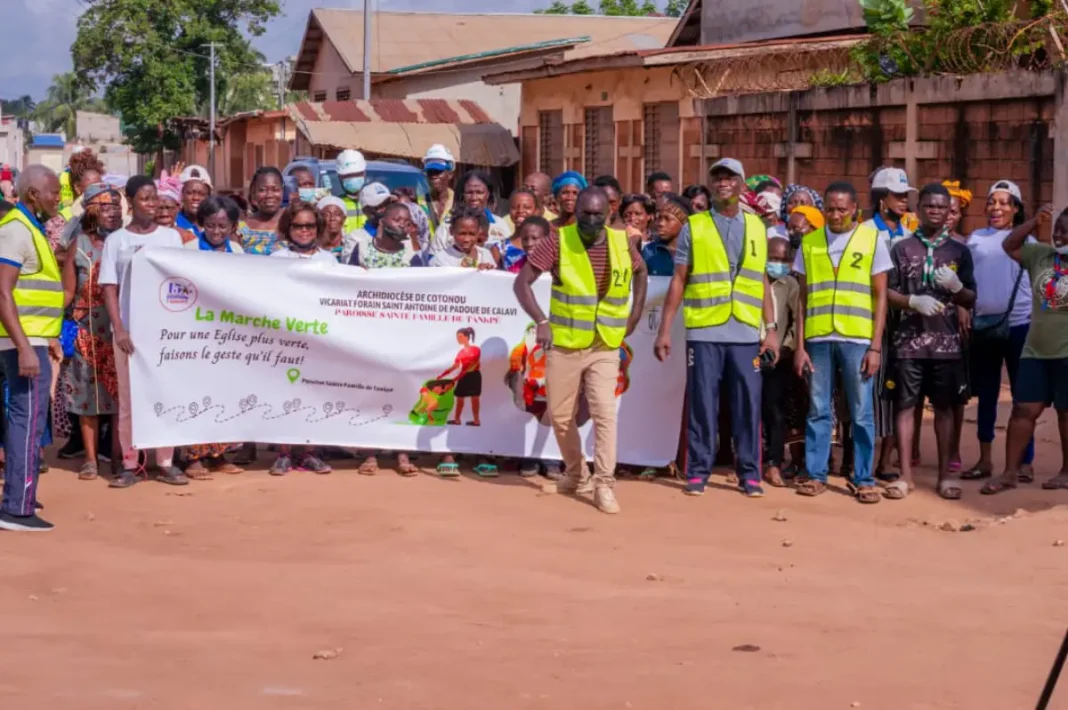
211 128
367 50
281 84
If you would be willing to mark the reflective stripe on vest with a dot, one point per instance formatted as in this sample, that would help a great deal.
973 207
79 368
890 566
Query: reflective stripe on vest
576 314
354 216
38 296
839 300
711 297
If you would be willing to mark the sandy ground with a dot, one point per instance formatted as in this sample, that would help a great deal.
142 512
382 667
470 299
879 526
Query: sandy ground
489 594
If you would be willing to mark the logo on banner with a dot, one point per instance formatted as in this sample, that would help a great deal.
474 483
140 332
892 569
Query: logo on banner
177 294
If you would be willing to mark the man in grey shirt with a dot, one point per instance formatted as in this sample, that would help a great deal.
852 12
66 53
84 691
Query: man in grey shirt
728 352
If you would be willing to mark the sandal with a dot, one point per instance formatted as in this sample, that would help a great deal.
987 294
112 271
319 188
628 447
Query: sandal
227 468
88 471
949 489
867 494
791 471
369 467
528 469
976 474
811 488
732 479
896 490
773 477
553 471
1026 474
649 472
1057 483
486 470
405 467
448 469
197 472
999 485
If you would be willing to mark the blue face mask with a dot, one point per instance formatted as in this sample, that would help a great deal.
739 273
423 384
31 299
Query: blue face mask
308 194
353 185
777 269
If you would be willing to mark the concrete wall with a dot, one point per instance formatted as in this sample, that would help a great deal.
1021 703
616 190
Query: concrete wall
12 144
500 102
97 128
50 157
733 21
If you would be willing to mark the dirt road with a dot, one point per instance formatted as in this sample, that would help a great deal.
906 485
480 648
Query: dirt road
473 594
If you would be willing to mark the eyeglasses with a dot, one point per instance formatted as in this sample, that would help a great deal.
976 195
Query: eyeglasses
303 226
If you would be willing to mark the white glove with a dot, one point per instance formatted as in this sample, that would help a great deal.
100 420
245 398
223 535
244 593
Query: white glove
947 278
926 305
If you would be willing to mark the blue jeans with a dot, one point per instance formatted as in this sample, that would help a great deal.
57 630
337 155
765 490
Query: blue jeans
827 357
27 417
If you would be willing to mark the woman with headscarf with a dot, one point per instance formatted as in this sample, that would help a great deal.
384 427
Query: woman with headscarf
960 199
91 384
799 196
762 183
333 211
475 191
170 204
566 189
419 229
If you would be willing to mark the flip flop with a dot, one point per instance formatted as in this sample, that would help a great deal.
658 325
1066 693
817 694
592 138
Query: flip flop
1026 474
869 495
1000 485
407 469
896 490
812 488
950 489
369 467
975 474
486 470
448 470
1057 483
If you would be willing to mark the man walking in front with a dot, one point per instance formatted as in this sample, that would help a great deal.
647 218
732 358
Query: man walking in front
31 315
721 282
594 271
843 270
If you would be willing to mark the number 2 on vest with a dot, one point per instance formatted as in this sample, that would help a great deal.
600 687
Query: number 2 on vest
621 277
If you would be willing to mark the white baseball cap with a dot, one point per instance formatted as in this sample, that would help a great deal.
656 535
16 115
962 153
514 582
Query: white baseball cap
195 172
350 162
729 164
892 180
438 157
374 194
1006 186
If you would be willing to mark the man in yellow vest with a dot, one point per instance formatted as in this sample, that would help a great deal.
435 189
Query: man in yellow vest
842 271
31 316
595 271
721 281
352 172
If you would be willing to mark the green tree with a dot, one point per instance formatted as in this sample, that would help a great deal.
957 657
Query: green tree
250 91
21 107
65 98
627 8
558 7
675 8
150 57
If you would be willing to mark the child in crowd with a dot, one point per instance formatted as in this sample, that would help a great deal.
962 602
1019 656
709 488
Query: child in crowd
466 228
784 405
532 231
510 253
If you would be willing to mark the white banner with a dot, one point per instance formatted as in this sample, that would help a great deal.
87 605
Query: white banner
232 348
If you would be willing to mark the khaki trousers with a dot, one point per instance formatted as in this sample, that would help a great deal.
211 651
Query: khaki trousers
595 372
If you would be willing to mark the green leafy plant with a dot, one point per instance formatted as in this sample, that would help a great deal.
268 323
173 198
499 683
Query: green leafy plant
825 78
886 16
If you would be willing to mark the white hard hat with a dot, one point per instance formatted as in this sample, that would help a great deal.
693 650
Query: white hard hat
438 157
350 162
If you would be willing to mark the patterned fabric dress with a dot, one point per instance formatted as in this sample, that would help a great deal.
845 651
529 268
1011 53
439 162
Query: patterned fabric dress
258 241
91 383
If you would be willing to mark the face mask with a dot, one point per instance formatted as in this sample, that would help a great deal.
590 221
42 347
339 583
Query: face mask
589 228
777 269
353 185
308 194
394 233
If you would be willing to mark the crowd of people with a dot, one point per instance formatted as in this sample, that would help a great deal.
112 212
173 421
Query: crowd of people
807 322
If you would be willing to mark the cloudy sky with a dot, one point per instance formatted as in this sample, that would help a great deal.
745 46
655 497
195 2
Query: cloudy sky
35 35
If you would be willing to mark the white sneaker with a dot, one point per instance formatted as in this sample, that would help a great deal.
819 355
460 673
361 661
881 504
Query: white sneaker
605 500
573 486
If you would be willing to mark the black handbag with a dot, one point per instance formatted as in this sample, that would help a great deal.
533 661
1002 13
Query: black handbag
994 329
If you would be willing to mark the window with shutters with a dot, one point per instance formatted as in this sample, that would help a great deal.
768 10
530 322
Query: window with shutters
319 96
343 94
660 149
600 141
551 142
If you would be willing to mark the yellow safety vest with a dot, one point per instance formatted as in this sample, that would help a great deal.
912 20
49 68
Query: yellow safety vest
66 213
354 216
576 313
66 190
711 297
38 296
839 300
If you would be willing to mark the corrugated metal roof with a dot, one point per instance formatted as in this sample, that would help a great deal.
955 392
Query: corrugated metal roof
405 39
406 128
